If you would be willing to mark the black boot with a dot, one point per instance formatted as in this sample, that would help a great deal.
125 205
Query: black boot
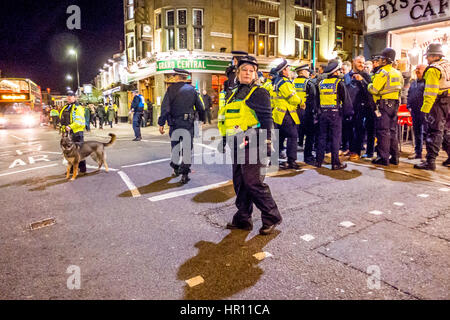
381 161
426 165
339 166
393 161
446 163
184 179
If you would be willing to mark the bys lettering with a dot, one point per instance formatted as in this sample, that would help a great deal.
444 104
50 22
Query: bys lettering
417 8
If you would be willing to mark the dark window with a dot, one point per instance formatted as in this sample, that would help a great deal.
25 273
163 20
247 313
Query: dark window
170 18
251 25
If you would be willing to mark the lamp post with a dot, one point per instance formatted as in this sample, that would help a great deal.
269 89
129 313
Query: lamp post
75 53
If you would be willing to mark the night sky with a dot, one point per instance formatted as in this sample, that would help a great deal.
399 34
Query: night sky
34 39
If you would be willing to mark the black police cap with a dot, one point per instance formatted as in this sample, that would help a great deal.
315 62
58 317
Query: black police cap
303 67
239 53
248 59
333 66
181 72
283 65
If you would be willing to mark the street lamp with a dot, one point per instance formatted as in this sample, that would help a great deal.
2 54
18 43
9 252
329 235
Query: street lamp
73 52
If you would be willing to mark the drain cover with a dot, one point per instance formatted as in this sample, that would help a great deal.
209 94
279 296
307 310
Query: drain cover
42 224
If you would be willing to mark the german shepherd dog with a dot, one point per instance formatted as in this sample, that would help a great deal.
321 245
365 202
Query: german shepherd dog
75 152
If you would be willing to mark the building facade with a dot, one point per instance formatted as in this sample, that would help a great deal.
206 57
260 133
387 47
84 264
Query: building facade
199 35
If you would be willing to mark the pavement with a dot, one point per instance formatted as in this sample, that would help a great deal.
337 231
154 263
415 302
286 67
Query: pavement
367 232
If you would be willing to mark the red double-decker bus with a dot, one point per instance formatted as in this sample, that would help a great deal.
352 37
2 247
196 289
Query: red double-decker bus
20 102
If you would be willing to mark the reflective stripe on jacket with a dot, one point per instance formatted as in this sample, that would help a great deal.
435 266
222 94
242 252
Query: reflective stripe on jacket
437 82
328 89
387 83
77 120
236 116
285 99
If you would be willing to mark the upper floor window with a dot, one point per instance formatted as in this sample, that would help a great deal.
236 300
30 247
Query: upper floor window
170 26
130 9
198 28
358 45
182 28
350 9
262 36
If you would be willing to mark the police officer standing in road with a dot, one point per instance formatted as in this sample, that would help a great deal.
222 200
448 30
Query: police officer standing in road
386 88
180 104
137 106
307 92
247 107
436 106
231 82
285 102
73 121
335 103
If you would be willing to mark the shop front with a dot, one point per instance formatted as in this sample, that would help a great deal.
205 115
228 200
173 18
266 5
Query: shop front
407 26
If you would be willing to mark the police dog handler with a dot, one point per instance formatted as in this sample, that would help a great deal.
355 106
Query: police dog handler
245 122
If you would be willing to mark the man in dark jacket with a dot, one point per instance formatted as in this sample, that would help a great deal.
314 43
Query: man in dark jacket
137 107
356 82
180 104
208 104
414 104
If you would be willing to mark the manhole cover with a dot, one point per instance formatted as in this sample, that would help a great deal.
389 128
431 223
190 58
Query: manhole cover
42 224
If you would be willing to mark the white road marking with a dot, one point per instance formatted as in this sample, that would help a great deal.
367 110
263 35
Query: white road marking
399 204
51 152
102 168
346 224
134 191
175 194
17 162
307 237
444 189
423 195
20 171
146 163
205 146
19 152
376 212
21 139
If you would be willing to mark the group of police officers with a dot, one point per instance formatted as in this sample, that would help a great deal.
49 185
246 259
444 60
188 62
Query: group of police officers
250 102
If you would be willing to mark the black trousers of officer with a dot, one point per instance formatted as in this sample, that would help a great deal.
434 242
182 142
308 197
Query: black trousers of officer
137 118
369 127
356 142
438 128
347 133
289 130
78 138
301 127
386 127
330 121
183 167
249 186
311 135
419 128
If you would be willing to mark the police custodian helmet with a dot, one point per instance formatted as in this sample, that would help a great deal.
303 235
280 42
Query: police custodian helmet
388 54
435 49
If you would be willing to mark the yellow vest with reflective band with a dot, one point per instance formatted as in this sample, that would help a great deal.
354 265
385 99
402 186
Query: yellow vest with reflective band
145 106
437 82
284 99
53 113
221 99
300 87
236 116
328 89
387 83
115 107
77 120
267 85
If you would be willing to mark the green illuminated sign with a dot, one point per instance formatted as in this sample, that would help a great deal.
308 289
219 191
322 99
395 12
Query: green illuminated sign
192 64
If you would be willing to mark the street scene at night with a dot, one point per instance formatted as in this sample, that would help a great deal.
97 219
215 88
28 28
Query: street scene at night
225 150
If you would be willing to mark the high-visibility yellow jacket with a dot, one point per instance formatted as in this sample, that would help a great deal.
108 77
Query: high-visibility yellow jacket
284 99
222 99
236 116
387 83
267 85
437 82
328 89
300 84
54 113
116 108
77 120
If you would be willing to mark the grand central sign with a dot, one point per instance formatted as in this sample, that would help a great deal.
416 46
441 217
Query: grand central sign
381 15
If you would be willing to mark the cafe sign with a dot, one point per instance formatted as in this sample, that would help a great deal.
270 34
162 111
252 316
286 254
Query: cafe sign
192 65
382 15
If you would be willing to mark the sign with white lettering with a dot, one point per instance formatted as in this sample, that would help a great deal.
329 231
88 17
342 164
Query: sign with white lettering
192 64
381 15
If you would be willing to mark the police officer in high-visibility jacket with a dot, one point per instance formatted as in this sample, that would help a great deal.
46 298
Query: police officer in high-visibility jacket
73 121
386 89
307 91
285 102
335 103
436 106
231 82
180 105
247 113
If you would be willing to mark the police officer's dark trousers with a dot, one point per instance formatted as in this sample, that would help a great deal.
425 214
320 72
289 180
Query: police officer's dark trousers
356 142
438 128
330 121
301 127
418 120
181 161
249 186
137 118
310 132
78 138
289 130
369 127
386 127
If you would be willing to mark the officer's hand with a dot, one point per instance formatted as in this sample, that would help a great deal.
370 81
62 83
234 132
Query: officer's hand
161 129
357 77
68 128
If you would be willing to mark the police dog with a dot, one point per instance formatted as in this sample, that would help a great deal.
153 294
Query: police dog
75 152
